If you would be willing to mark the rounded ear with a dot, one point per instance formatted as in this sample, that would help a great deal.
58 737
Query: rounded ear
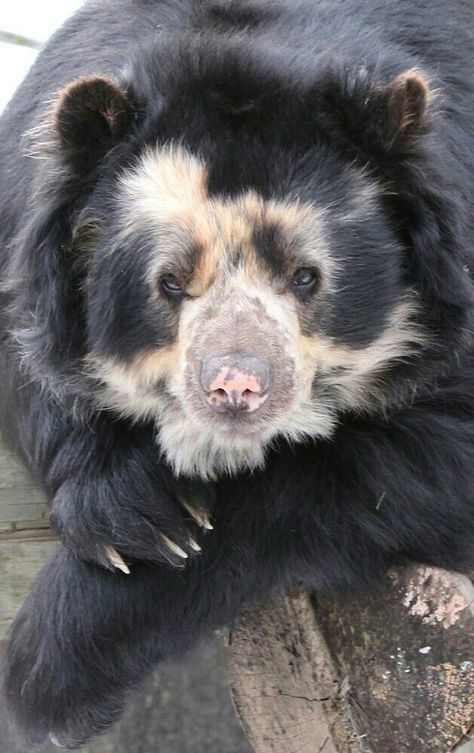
92 115
404 99
380 120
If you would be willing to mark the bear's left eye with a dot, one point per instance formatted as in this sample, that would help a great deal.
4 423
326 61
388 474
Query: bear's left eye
171 286
305 279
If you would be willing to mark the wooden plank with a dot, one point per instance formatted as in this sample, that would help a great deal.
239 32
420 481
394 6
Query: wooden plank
21 502
26 541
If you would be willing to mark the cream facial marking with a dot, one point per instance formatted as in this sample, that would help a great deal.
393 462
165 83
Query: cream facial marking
208 393
168 190
130 388
360 387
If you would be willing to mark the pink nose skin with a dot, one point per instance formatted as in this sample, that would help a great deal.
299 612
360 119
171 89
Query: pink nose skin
235 383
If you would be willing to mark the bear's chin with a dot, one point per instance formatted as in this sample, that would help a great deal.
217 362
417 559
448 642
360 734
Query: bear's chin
193 448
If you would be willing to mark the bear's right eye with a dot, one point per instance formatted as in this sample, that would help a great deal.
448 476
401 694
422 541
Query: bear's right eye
171 286
304 280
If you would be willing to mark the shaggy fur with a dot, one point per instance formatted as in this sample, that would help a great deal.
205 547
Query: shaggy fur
229 146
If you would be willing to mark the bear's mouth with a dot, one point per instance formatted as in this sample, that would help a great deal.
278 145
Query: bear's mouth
229 424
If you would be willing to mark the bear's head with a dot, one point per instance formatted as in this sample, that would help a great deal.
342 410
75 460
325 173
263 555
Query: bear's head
245 253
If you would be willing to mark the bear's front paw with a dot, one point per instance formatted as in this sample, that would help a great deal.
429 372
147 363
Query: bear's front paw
57 688
113 523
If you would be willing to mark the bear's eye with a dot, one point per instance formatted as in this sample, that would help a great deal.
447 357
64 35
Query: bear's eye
305 279
171 286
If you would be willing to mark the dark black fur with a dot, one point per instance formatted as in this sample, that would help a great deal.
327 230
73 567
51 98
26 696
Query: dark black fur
255 87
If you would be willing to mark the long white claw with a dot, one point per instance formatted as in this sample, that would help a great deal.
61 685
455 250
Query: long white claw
206 523
55 741
194 545
199 516
116 560
174 547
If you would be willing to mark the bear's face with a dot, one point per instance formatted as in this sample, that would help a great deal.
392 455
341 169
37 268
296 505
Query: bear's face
243 279
232 320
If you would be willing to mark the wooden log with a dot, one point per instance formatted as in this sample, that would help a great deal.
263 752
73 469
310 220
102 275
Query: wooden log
391 671
284 684
26 540
407 654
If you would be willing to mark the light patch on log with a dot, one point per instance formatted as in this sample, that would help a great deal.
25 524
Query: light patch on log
430 595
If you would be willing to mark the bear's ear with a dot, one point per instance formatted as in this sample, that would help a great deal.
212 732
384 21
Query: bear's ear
379 119
401 107
92 115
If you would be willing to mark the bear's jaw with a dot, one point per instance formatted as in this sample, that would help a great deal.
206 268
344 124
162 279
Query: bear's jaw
194 448
193 452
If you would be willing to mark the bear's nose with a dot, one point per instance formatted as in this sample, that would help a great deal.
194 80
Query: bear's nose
236 382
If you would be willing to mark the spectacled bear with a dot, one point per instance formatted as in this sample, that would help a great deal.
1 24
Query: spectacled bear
236 320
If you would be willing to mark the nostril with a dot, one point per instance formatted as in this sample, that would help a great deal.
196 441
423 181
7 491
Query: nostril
253 400
218 398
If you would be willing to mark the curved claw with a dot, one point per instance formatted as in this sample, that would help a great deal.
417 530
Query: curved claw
174 547
194 545
201 518
116 560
